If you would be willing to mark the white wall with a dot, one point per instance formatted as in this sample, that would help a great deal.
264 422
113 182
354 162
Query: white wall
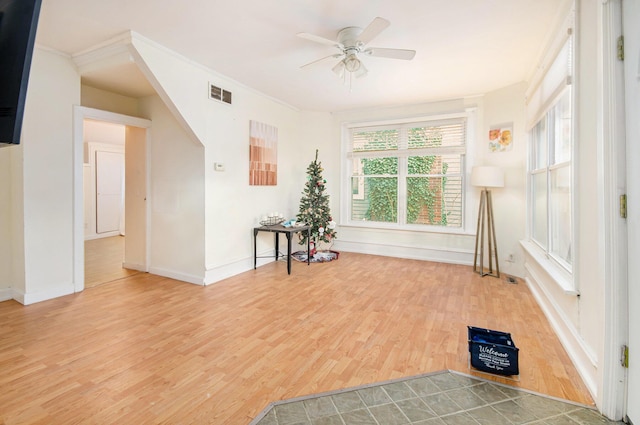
220 134
176 189
92 97
47 177
5 222
506 106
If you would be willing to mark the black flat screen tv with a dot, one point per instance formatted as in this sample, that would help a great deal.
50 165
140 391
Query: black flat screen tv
18 22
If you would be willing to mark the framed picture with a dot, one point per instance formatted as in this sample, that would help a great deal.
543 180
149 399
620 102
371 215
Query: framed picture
501 138
263 154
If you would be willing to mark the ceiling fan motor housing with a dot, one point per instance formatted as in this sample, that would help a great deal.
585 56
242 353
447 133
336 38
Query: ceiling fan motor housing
348 37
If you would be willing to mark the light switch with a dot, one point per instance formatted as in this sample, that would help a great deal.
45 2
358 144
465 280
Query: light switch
218 166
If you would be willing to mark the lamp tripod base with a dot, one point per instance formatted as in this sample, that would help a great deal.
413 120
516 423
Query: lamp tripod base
485 221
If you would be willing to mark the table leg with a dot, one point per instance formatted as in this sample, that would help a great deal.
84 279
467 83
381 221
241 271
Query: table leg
277 244
308 246
255 249
288 252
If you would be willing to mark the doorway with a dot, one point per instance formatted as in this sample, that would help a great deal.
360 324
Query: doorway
104 202
101 209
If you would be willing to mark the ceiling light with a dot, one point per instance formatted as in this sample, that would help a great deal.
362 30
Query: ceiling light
352 63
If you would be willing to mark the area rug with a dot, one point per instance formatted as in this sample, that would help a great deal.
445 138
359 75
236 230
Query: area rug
439 398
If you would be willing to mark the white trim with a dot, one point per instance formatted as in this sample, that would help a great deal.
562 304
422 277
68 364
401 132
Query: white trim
611 184
50 293
557 273
184 277
437 254
134 266
6 294
102 235
214 274
582 357
467 114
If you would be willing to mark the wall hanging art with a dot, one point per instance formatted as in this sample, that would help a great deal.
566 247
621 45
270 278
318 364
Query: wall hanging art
263 154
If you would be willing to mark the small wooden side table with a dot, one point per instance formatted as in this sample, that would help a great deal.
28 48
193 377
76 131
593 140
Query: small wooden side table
288 232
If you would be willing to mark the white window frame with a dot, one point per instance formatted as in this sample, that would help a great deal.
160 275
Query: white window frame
547 169
469 114
557 73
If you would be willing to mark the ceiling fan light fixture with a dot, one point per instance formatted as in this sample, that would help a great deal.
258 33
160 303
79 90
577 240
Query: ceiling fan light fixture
351 62
339 69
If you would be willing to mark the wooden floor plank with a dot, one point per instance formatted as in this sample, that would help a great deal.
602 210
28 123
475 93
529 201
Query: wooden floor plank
148 349
103 259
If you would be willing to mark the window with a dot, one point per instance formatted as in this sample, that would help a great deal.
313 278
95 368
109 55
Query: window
550 162
408 175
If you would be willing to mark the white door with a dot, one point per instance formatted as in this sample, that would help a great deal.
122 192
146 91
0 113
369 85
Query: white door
631 30
135 244
109 191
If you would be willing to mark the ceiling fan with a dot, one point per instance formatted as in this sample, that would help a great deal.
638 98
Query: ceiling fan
352 43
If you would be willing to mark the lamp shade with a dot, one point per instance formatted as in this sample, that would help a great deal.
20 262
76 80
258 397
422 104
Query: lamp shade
487 176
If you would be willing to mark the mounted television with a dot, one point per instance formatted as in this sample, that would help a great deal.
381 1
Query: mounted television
18 22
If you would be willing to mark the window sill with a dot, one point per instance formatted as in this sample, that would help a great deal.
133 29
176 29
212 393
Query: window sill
558 274
395 227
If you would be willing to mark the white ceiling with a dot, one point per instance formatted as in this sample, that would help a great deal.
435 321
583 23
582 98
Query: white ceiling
464 47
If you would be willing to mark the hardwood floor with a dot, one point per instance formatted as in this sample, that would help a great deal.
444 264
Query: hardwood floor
103 261
147 349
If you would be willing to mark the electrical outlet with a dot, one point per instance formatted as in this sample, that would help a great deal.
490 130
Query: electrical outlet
510 258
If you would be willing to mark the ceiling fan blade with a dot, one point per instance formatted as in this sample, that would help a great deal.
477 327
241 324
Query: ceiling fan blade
390 53
337 55
375 27
319 39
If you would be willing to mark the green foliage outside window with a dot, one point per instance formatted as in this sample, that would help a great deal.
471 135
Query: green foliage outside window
425 200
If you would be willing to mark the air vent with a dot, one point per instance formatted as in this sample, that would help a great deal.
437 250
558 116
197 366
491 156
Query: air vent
217 93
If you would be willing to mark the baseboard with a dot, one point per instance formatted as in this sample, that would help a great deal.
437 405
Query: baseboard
101 235
36 297
134 266
215 274
6 294
196 280
440 255
582 358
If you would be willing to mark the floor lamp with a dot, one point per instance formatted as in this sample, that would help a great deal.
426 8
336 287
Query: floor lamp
486 177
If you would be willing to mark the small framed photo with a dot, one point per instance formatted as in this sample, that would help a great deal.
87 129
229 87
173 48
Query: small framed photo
501 138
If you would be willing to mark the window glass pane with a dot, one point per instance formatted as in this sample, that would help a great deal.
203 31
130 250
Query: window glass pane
376 140
441 135
539 144
379 166
561 140
374 198
378 200
434 201
435 164
560 213
539 204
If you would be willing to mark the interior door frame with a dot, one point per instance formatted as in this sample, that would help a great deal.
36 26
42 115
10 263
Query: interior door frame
80 113
612 184
631 13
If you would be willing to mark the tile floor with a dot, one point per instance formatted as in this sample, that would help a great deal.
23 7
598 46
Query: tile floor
435 399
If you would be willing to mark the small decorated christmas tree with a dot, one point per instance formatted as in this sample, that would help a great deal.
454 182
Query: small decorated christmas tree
314 208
